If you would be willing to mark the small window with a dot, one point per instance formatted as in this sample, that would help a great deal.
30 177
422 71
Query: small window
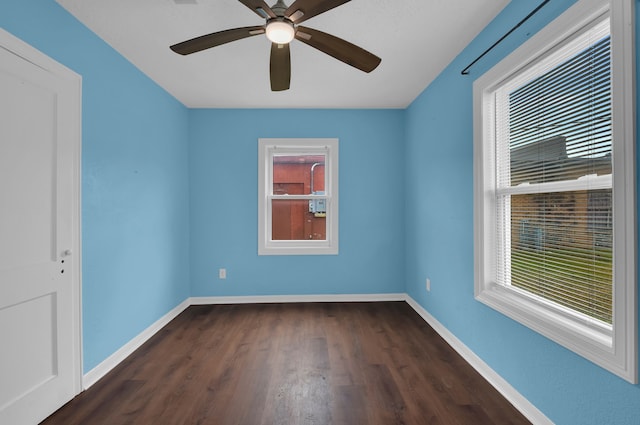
298 196
555 189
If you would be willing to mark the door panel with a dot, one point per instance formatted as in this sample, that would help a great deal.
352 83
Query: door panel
27 167
38 346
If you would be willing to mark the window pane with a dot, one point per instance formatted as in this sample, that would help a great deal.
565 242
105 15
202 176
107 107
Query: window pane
559 124
299 219
298 174
561 249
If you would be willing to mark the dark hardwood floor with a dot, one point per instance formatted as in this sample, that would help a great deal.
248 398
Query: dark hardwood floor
316 363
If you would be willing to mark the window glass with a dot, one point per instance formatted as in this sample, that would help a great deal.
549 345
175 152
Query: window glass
555 126
299 219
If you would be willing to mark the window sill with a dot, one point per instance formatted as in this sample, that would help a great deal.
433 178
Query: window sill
295 248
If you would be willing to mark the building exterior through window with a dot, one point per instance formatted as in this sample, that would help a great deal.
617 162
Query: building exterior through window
299 219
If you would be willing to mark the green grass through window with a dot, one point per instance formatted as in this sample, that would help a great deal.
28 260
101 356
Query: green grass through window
578 279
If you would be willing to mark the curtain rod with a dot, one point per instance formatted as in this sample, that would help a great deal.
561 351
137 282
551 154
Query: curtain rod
466 70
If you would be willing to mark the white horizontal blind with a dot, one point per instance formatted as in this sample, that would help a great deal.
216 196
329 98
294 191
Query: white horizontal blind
554 197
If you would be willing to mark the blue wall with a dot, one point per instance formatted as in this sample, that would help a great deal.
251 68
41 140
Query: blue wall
134 181
439 163
224 194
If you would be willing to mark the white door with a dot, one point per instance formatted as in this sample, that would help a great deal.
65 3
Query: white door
39 234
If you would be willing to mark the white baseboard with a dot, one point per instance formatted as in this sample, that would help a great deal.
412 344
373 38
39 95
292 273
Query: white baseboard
343 298
511 394
113 360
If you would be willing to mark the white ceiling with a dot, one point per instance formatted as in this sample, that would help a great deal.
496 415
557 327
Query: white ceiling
416 40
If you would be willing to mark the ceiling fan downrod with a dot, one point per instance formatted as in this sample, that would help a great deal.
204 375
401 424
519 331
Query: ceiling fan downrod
279 8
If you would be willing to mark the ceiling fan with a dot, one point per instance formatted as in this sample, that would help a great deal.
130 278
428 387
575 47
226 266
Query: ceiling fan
281 27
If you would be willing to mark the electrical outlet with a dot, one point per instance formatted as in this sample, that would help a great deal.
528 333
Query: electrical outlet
222 273
428 284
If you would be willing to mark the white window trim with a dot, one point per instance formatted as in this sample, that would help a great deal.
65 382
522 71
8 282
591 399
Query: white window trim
616 349
266 149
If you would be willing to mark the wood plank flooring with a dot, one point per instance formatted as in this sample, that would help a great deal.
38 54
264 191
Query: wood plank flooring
312 363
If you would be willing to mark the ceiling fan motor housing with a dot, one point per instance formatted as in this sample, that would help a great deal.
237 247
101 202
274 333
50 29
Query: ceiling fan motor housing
280 30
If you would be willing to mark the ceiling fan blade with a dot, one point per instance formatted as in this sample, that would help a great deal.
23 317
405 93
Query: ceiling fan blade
339 49
280 67
215 39
301 10
261 8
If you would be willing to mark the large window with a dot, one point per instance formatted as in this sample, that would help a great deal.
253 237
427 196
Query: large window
555 185
298 196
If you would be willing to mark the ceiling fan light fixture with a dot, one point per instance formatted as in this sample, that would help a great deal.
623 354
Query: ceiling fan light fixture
280 31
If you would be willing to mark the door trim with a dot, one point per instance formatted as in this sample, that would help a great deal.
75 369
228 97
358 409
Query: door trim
15 46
